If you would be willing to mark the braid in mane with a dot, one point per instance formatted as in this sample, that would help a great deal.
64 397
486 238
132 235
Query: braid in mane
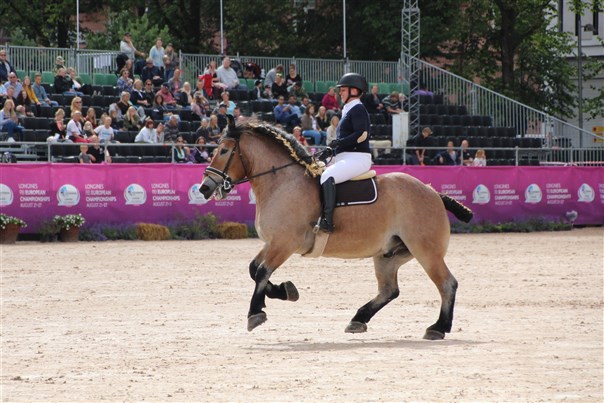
289 143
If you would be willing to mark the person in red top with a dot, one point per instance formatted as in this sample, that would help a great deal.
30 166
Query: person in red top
169 100
330 102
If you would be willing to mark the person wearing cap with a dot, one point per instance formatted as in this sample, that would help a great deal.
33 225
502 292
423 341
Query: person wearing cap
59 62
352 151
169 100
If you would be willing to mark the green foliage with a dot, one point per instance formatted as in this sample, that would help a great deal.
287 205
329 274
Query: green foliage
144 32
532 225
201 227
49 231
68 221
7 219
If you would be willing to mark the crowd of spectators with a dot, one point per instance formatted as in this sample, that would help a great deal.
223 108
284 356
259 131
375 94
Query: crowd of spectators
150 96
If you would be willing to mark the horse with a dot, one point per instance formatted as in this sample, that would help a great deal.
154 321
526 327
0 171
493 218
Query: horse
408 220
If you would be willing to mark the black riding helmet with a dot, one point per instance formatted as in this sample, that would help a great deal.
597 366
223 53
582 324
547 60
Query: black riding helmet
353 80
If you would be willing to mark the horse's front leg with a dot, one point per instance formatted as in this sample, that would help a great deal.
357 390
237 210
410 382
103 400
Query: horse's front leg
272 260
286 291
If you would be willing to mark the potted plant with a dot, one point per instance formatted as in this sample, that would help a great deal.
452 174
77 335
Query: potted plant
9 228
69 226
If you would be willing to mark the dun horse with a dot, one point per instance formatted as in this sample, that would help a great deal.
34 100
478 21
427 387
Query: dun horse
407 221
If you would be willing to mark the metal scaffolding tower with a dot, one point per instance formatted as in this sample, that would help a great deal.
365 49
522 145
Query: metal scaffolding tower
410 34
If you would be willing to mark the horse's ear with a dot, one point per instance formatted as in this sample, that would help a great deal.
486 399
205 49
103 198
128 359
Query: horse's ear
231 122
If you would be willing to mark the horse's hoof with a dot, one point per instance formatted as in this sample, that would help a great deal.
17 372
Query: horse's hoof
291 291
433 335
356 327
255 320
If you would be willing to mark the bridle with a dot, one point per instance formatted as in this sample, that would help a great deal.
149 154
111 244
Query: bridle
227 183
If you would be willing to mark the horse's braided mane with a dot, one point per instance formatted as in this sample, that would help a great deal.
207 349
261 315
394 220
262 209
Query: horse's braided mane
287 141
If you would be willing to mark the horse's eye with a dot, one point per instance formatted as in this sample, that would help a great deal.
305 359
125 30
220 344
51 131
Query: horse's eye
223 151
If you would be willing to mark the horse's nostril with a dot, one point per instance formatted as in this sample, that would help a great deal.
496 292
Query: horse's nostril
203 188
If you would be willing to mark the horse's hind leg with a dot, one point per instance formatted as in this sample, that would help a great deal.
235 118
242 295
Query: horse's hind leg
286 291
386 269
447 286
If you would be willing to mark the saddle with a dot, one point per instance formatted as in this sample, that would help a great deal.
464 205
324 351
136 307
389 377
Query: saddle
361 189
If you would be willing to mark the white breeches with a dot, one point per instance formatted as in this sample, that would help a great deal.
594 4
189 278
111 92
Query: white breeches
346 166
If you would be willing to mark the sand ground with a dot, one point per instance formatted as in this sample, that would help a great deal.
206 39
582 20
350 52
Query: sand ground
166 321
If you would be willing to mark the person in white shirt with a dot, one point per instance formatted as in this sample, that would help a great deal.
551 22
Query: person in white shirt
105 132
228 76
148 134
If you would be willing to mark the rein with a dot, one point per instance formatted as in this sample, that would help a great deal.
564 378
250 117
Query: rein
228 183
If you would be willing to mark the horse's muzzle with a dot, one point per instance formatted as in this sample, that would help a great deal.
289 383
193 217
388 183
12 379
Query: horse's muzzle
207 189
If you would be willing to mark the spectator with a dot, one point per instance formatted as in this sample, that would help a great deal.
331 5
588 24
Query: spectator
226 101
59 64
171 129
168 71
171 55
124 83
448 156
147 134
91 117
420 141
5 67
221 115
372 101
84 157
10 94
297 132
31 95
76 104
129 67
88 131
323 119
58 130
184 96
174 82
279 88
284 114
9 123
310 129
99 153
305 104
237 115
199 154
423 90
332 130
169 101
138 97
13 81
392 105
149 93
132 121
212 86
105 132
63 84
270 79
77 84
75 131
129 50
480 159
330 102
24 104
203 130
215 131
200 105
258 93
228 76
464 153
2 92
40 92
297 91
159 107
150 72
157 54
180 152
293 77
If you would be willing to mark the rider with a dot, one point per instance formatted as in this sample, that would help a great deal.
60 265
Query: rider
352 153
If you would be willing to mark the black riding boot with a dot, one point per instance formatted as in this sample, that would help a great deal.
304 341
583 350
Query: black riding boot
329 203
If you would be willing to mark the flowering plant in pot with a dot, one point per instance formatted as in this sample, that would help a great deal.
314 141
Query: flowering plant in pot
9 228
69 226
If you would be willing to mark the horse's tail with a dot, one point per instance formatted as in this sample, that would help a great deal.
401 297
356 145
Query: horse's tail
459 210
